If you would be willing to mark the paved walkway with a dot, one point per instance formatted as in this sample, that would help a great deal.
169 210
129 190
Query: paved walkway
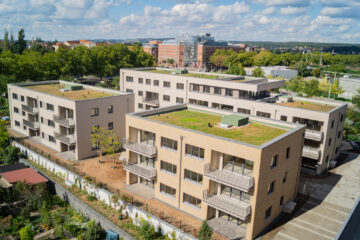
331 200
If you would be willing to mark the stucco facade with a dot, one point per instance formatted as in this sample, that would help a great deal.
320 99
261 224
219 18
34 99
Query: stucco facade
65 125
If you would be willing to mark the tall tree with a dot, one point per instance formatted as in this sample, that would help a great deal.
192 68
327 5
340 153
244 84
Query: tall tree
4 135
6 43
257 72
21 43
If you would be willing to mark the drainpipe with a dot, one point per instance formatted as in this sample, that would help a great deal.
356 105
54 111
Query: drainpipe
180 169
299 169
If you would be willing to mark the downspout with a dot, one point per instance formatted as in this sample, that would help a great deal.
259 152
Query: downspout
180 169
299 169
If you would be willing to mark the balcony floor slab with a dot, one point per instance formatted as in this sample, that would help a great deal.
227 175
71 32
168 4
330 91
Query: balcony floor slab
227 229
142 190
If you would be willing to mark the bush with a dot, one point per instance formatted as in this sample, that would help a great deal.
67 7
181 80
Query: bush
25 213
146 230
91 198
205 231
94 231
26 233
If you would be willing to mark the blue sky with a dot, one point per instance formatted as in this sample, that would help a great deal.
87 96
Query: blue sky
254 20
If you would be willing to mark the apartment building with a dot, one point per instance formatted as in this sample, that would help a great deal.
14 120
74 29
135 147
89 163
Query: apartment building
161 87
61 114
234 170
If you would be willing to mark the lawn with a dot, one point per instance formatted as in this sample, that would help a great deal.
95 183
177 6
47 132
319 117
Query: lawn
252 133
309 106
54 89
198 75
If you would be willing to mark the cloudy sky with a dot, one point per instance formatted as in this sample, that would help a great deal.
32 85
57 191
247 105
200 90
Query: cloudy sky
259 20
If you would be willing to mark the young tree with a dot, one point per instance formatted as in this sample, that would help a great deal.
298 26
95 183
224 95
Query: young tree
356 99
205 231
316 72
237 69
99 137
146 230
6 43
20 45
112 144
4 135
312 88
258 72
93 231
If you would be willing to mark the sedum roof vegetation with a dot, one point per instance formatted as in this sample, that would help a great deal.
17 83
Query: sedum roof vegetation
309 105
252 133
198 75
83 94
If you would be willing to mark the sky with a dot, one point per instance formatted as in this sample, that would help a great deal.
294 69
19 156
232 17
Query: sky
247 20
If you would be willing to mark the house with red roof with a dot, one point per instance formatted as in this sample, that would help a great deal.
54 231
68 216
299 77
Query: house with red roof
28 175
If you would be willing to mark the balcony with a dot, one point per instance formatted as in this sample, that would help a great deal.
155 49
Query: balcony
151 102
29 109
140 170
68 139
68 122
235 180
314 135
30 124
140 148
311 152
233 207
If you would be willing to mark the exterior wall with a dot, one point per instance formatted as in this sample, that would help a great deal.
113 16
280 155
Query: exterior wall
261 156
171 51
122 104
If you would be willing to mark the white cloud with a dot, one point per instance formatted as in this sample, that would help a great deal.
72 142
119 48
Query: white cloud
292 10
283 2
268 11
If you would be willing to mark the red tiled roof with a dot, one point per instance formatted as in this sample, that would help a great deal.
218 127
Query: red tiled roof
26 174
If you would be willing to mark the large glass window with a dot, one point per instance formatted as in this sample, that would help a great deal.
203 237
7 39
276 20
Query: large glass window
51 123
94 112
110 109
168 167
217 90
148 137
168 143
50 107
166 84
234 193
193 176
179 86
149 183
150 162
167 190
238 165
129 79
232 219
194 151
192 200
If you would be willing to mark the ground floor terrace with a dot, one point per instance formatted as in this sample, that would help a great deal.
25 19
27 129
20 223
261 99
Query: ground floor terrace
110 175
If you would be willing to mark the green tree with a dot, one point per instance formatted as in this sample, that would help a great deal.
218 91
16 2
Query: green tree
93 231
26 233
205 231
146 230
264 58
356 99
316 72
4 135
312 88
112 144
337 68
257 72
303 71
237 69
20 45
6 44
44 214
9 155
100 137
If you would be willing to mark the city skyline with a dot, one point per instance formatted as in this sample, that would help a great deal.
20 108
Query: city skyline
252 20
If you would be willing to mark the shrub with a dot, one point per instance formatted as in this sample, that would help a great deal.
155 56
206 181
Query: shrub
205 231
44 215
146 230
25 213
26 233
91 198
94 231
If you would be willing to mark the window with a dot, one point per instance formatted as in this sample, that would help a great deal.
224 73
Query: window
41 104
94 112
238 165
234 193
168 143
194 151
16 110
129 79
49 107
341 117
332 123
282 200
268 213
166 98
156 83
42 134
23 113
271 187
140 80
288 153
167 190
217 90
95 146
52 139
50 123
336 150
166 84
244 110
274 161
146 161
228 92
24 127
140 93
17 123
140 105
42 120
22 98
283 118
339 134
327 158
196 87
192 200
128 90
148 81
179 86
193 176
329 141
110 109
110 126
179 100
263 114
168 167
284 177
206 89
15 96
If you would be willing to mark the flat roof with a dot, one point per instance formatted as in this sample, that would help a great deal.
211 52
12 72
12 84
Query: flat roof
189 74
26 174
309 105
11 167
255 133
83 94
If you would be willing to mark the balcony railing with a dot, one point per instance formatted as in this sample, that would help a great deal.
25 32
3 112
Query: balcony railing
150 101
29 109
238 181
140 170
64 121
314 135
311 152
68 139
233 207
141 148
30 124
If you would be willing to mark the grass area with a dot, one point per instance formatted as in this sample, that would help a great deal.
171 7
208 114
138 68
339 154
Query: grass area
83 94
252 133
198 75
309 106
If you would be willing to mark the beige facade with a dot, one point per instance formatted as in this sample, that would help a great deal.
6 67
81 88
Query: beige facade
248 95
201 185
64 123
